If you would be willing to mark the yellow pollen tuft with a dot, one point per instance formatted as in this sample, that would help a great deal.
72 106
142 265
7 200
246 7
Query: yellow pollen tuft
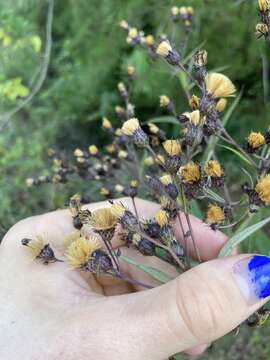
93 150
263 189
194 102
130 126
166 179
194 117
174 10
164 101
71 237
130 70
213 168
78 152
35 246
118 210
221 105
162 218
264 5
121 87
133 33
164 49
103 219
219 85
262 28
149 40
81 250
255 140
106 124
122 154
190 173
172 147
215 214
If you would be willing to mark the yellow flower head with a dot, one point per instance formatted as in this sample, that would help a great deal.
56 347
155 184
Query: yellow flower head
119 188
149 161
93 150
130 126
78 153
190 173
133 33
262 28
35 246
106 124
194 102
190 10
219 85
134 183
183 10
154 129
263 189
174 10
123 24
172 147
71 237
164 101
194 117
162 218
122 154
121 87
130 70
81 250
264 5
118 210
30 182
255 140
221 105
213 168
111 149
149 40
166 179
119 110
215 214
103 219
164 49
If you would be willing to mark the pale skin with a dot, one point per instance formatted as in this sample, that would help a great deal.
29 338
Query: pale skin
53 312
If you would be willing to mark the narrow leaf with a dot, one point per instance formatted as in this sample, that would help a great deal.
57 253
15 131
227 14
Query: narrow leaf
155 273
241 236
165 119
236 152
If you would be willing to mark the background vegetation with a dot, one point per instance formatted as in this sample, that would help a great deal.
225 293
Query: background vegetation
87 59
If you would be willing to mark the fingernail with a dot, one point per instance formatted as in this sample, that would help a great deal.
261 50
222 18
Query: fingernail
253 277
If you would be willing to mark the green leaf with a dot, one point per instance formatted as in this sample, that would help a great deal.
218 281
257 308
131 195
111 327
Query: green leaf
155 273
214 196
236 152
165 120
241 236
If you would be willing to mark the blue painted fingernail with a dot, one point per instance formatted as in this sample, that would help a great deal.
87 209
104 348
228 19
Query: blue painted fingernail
253 277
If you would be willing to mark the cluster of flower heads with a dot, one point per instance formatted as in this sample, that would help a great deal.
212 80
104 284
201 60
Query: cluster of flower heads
141 159
263 28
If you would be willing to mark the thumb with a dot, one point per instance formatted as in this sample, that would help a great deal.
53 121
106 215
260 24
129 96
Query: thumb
198 307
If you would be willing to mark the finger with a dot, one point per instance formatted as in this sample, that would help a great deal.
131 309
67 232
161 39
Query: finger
198 307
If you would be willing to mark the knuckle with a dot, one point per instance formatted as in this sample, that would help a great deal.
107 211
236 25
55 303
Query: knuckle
200 306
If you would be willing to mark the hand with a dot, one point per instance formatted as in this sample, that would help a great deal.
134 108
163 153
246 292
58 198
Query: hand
53 312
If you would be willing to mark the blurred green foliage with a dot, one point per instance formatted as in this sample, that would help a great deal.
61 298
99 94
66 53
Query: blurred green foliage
89 57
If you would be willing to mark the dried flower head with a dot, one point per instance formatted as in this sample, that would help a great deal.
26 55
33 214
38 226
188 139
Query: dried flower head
106 124
80 251
262 29
213 168
190 173
264 5
103 219
262 189
219 85
255 140
166 179
162 218
194 117
39 249
194 102
221 105
166 51
200 58
93 150
215 214
132 128
122 154
172 147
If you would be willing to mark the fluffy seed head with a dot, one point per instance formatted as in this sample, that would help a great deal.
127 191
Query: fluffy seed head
106 124
190 173
183 10
221 105
164 101
174 10
130 126
190 10
35 246
119 188
30 182
255 140
164 49
219 85
103 219
215 214
71 237
213 168
118 210
121 87
93 150
172 147
81 250
263 189
162 218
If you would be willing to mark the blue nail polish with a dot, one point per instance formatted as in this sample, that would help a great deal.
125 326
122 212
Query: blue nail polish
259 272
